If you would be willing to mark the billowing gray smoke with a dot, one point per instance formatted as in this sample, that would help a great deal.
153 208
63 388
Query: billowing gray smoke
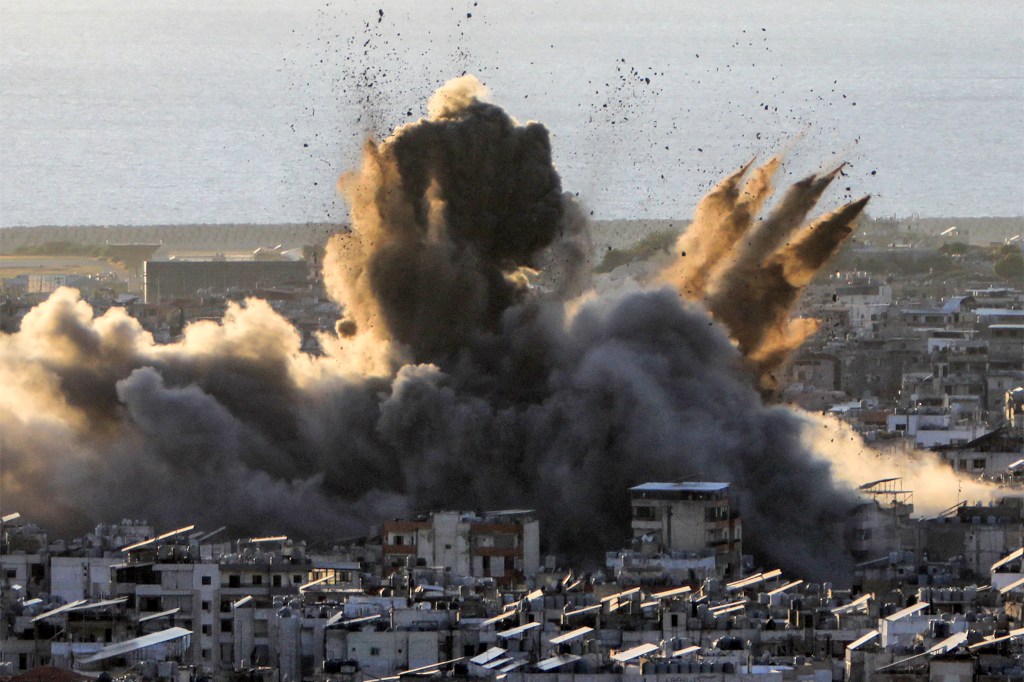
461 378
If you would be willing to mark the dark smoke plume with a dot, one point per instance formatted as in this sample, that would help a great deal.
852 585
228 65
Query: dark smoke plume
461 377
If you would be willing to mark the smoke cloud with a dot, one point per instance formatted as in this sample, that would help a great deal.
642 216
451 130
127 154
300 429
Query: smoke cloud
472 370
750 272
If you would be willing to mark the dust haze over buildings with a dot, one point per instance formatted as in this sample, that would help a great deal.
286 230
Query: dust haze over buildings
531 392
534 392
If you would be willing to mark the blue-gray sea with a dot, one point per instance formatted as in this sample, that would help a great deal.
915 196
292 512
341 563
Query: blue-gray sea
178 111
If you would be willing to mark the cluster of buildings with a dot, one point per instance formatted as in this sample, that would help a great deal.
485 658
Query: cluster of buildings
165 295
911 371
469 595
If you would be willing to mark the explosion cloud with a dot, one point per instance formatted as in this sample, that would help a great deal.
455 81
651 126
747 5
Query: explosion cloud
471 369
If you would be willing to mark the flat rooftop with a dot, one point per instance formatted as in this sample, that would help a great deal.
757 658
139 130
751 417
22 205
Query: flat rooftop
687 487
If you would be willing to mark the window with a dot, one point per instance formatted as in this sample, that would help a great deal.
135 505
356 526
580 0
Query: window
207 629
643 513
297 579
276 580
979 463
399 540
257 580
226 625
234 581
204 606
207 654
375 651
207 580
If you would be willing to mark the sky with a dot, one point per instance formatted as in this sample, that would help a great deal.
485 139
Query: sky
189 112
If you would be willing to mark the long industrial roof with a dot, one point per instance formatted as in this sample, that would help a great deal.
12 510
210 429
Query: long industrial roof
122 648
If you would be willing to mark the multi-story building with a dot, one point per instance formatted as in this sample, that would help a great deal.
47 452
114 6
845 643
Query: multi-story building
501 545
696 516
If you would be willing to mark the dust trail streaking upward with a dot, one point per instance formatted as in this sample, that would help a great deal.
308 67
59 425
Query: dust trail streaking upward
460 378
750 274
721 218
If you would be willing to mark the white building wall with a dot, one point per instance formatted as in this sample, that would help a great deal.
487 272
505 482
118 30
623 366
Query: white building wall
531 548
73 578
